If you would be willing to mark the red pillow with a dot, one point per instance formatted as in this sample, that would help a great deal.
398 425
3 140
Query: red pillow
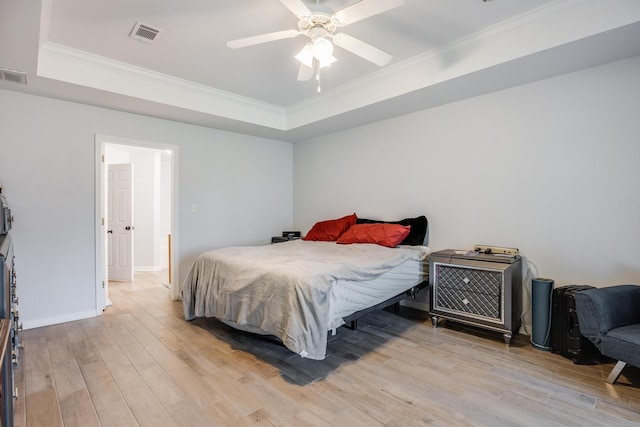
330 230
389 235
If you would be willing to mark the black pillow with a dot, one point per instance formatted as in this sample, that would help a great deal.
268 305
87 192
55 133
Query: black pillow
418 231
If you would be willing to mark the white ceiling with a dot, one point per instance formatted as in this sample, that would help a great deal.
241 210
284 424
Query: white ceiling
443 50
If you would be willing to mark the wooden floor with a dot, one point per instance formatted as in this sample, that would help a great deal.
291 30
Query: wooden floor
140 363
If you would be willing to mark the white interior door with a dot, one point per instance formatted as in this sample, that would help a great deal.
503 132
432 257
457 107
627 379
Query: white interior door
120 222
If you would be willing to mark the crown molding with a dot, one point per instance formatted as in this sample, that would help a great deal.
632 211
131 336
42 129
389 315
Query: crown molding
74 66
546 27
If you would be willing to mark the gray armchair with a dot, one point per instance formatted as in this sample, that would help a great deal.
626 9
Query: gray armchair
610 318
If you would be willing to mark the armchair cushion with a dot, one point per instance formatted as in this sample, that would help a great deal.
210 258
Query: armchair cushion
623 343
610 318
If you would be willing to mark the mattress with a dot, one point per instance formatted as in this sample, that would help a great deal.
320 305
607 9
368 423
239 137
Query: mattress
298 290
350 296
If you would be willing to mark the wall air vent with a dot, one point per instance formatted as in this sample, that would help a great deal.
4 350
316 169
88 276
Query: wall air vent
144 32
13 76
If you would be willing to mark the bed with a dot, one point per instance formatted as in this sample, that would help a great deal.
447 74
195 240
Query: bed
301 290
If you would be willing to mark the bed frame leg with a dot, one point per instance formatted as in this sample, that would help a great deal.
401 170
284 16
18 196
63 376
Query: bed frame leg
353 325
396 307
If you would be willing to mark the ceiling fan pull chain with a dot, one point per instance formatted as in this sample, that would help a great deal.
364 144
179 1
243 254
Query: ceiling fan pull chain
318 76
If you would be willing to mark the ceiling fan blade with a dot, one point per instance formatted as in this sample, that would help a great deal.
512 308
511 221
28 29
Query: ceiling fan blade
263 38
362 49
365 9
296 7
305 73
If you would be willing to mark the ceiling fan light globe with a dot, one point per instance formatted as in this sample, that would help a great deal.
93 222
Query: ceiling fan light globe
305 56
322 48
326 61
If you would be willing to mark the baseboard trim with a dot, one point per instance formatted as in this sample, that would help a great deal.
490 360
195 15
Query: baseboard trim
149 268
48 321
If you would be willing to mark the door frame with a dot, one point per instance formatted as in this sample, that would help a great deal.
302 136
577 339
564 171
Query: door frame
101 206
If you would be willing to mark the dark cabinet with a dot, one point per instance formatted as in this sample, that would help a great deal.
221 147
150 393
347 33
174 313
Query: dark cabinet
10 328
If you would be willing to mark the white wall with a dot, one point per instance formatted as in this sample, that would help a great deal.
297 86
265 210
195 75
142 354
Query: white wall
551 168
115 154
144 213
164 226
242 186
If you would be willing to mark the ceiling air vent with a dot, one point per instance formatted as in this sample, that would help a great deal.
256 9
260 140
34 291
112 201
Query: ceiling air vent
144 32
13 76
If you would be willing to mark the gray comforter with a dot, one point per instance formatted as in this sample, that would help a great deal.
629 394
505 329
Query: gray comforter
283 289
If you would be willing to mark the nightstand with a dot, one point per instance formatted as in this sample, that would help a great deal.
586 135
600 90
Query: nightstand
478 289
286 236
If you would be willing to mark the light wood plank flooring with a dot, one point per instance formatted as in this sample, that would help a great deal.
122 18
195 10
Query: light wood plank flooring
141 364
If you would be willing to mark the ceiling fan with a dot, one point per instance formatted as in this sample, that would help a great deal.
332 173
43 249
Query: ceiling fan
320 26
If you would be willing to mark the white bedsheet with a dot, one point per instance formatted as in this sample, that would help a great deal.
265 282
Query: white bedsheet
288 289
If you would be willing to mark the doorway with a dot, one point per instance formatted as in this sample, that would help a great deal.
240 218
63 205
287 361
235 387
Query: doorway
152 227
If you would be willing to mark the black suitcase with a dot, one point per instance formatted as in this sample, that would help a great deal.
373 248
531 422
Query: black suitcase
565 332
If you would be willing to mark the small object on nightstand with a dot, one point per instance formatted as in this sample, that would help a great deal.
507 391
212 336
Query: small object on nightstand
290 234
286 236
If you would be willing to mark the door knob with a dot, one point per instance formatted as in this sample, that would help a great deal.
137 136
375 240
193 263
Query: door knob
110 231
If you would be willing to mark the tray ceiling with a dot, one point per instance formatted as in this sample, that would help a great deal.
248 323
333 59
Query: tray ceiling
443 50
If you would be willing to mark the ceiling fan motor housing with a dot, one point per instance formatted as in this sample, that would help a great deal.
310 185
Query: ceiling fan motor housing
316 20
